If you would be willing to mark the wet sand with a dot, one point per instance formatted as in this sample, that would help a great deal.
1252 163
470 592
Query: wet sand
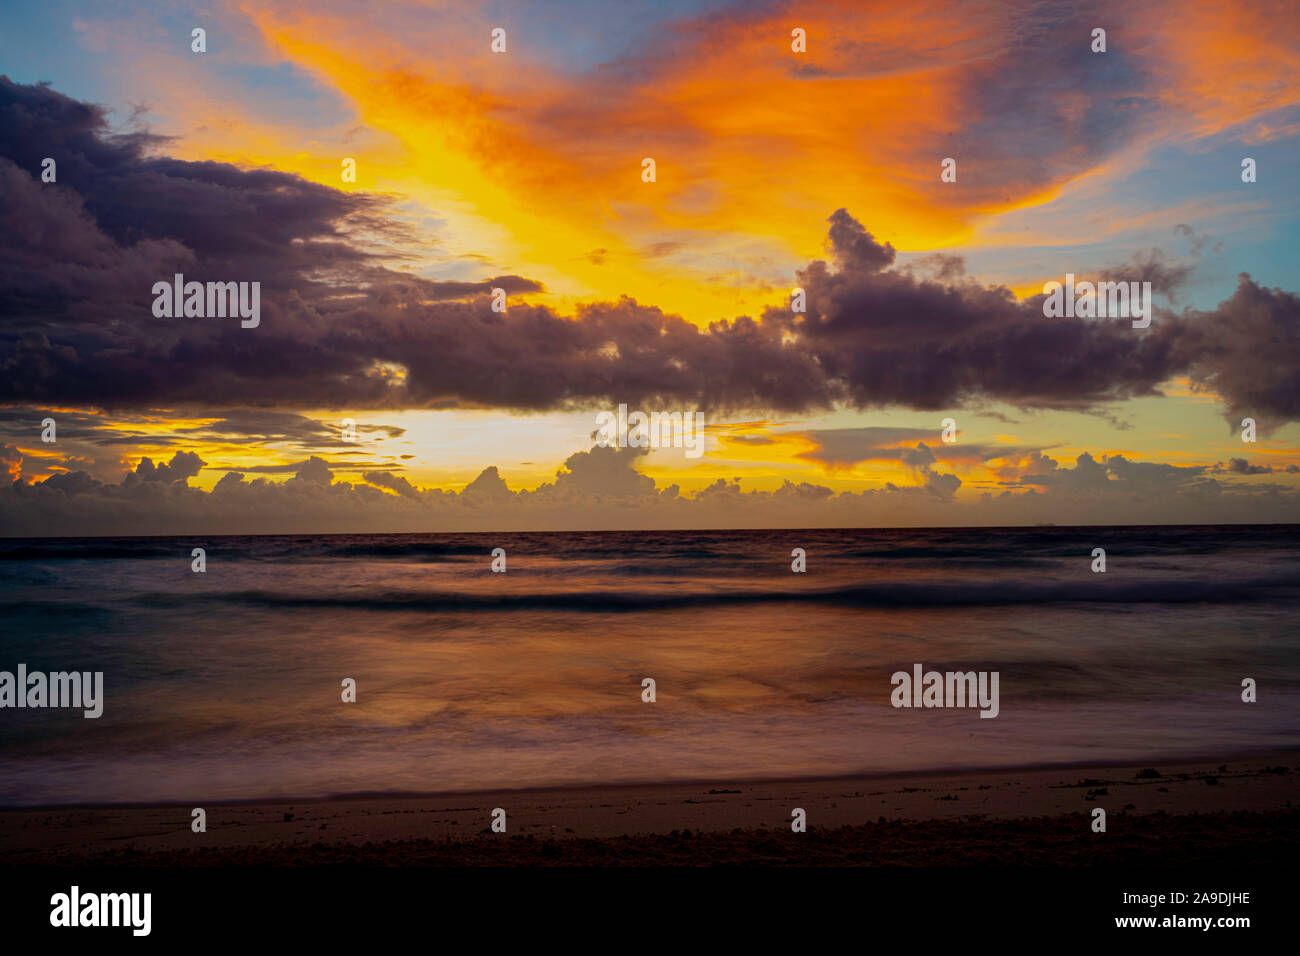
1167 814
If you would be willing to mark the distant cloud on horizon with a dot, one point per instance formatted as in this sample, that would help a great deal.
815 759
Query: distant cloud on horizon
600 489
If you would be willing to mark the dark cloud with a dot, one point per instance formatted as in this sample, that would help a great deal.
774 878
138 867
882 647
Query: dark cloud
1148 474
1152 266
1240 466
261 426
1116 475
918 457
315 470
265 426
19 421
488 486
854 249
78 259
893 338
1247 351
386 479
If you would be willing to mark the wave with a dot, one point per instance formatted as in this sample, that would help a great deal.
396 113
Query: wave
973 546
69 550
897 594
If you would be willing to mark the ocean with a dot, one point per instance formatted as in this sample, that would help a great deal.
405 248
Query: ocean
226 684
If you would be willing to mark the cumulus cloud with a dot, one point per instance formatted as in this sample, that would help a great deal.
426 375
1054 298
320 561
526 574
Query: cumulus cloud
918 457
601 488
1248 352
604 472
341 329
315 470
184 464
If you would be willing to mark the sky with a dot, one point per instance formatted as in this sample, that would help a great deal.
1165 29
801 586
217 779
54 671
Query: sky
775 169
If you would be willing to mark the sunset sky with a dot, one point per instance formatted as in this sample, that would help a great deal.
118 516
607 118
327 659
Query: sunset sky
523 170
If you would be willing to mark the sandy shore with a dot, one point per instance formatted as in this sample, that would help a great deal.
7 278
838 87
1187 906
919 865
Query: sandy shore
1162 814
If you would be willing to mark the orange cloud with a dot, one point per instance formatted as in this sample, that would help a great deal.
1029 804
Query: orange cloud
754 144
1227 67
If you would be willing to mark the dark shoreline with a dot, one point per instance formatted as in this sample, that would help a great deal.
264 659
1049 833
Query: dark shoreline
1266 839
1221 811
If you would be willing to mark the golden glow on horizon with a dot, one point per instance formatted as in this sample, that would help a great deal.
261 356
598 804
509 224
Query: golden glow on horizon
448 450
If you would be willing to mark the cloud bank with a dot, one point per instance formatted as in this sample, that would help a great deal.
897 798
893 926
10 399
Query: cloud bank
600 489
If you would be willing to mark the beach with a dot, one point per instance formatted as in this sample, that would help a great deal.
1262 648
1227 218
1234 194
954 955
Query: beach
376 698
1167 815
